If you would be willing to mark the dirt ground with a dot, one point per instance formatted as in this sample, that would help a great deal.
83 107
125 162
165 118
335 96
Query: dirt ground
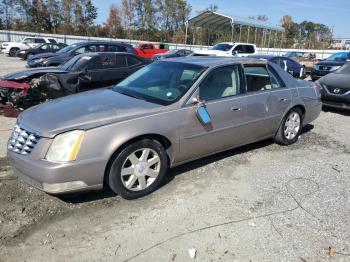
261 202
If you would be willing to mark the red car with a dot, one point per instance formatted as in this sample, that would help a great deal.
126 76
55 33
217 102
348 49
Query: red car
148 50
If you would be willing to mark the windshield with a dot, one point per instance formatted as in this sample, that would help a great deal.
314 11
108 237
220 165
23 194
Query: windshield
160 82
345 69
339 57
75 63
222 47
66 49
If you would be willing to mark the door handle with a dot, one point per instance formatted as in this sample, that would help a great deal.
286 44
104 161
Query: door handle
235 109
283 99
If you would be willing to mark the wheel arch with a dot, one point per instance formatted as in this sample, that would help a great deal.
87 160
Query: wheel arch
164 141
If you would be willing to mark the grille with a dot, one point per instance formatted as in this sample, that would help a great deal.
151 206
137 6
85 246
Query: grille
22 141
325 68
338 91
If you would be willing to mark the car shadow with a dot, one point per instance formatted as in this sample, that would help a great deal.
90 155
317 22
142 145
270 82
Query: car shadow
78 198
343 112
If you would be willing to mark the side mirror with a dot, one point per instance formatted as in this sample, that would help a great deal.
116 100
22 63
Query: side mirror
203 115
234 52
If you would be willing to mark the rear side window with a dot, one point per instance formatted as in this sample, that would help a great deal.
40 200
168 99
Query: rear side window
39 41
132 61
249 49
121 61
116 48
28 40
275 78
53 41
257 78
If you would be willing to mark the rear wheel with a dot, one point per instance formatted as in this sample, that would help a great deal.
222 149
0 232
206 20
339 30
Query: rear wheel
290 128
138 169
13 51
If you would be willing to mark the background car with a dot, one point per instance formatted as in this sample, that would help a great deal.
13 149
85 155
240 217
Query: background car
329 65
306 59
81 73
11 48
43 48
63 55
336 88
148 50
289 65
172 54
166 114
228 49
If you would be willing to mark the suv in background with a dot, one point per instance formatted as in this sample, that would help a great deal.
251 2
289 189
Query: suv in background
11 48
329 65
228 49
63 55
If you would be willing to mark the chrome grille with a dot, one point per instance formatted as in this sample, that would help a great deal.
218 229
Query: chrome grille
22 141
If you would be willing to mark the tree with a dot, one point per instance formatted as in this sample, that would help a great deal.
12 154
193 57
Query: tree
127 15
113 25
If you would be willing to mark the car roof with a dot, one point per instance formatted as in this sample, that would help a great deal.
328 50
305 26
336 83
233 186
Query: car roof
213 61
265 56
100 43
93 54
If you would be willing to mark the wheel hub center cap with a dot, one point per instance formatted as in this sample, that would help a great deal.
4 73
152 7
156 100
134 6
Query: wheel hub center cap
141 168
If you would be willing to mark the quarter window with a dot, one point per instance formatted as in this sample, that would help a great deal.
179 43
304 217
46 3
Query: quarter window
275 78
39 41
221 82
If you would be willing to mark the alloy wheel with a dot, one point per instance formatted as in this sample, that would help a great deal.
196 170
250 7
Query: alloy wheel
292 126
140 169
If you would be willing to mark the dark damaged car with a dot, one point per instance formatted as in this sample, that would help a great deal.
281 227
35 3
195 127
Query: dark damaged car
63 55
84 72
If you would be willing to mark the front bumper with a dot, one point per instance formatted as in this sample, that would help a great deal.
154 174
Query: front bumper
339 101
58 178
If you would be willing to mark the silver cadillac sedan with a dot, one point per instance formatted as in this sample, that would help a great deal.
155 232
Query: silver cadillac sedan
166 114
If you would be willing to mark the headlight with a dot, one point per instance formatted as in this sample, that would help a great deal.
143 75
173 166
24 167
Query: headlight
334 68
316 67
40 60
65 147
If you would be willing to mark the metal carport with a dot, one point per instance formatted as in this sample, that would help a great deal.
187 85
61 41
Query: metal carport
217 21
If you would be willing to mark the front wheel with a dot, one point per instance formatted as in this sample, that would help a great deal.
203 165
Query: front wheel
290 128
13 52
138 170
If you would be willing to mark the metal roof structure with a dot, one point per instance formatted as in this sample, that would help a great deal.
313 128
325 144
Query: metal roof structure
209 19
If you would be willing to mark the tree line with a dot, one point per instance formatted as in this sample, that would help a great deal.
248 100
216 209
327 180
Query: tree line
153 20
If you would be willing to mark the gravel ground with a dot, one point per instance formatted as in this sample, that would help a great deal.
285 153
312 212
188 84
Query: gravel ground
261 202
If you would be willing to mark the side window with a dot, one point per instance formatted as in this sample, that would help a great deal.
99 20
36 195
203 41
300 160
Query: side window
28 40
132 61
121 61
187 52
53 41
275 78
219 83
90 49
249 49
239 49
39 41
80 50
101 48
95 64
55 47
44 47
257 78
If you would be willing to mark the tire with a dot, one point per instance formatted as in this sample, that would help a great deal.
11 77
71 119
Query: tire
13 51
133 162
290 128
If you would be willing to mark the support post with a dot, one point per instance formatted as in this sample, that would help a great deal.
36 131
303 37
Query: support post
268 41
232 30
186 32
248 34
256 32
240 32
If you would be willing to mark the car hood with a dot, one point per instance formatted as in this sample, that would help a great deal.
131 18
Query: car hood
84 111
331 63
213 52
29 72
43 55
336 80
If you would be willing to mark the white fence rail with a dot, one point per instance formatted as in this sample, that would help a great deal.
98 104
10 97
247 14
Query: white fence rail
16 36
